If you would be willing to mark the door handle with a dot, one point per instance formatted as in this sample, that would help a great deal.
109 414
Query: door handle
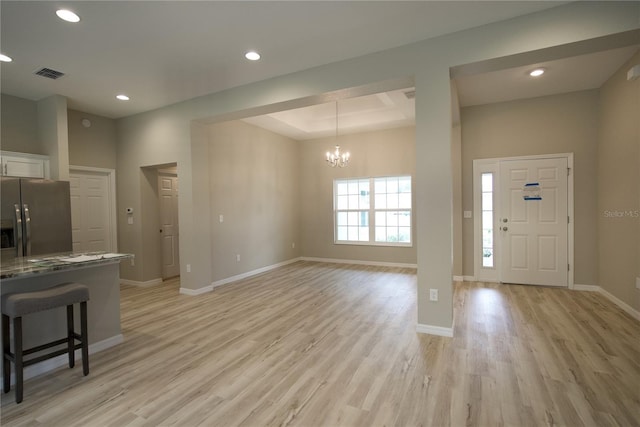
27 223
19 248
505 228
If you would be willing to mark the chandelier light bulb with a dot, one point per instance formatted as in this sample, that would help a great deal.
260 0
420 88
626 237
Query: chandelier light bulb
338 159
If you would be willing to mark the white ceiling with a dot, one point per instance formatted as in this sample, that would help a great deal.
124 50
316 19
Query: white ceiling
163 52
565 75
393 109
366 113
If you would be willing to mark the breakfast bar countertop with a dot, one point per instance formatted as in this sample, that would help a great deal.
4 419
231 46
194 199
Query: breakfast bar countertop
29 266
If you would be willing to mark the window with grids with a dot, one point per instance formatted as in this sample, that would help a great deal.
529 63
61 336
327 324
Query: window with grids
375 211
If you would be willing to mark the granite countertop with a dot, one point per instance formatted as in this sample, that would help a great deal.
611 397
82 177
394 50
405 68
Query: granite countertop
28 266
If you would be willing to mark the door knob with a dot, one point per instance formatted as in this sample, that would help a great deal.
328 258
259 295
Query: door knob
504 220
505 228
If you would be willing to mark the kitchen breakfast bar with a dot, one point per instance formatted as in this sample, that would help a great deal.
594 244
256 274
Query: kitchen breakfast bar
99 271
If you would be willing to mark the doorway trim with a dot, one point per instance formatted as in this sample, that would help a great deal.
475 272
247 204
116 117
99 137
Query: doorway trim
492 165
111 179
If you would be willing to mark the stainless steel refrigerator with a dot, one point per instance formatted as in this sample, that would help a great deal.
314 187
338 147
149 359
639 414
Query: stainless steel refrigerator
35 217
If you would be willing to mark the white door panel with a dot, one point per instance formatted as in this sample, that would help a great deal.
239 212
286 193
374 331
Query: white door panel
90 212
534 232
168 194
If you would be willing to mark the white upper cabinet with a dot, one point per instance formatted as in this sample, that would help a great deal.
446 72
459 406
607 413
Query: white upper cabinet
24 165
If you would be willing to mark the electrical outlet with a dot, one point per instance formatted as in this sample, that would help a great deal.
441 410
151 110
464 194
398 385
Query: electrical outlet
133 262
188 268
433 295
293 245
221 218
238 257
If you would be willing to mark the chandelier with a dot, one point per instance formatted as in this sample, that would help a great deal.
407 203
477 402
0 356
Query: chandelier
337 158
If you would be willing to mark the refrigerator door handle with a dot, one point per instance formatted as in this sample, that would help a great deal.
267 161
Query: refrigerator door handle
19 248
27 223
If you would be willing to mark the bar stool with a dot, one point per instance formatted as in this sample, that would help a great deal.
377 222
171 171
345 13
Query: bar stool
17 305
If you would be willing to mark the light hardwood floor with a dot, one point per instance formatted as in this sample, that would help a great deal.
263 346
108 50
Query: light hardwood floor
314 344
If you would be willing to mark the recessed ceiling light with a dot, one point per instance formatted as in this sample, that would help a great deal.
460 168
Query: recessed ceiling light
252 55
67 15
5 58
537 72
122 97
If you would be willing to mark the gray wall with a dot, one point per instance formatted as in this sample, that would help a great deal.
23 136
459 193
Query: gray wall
456 168
23 132
565 123
167 135
19 124
381 153
618 188
94 146
254 185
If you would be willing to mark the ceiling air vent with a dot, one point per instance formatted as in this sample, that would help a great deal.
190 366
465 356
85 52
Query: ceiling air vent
49 73
410 94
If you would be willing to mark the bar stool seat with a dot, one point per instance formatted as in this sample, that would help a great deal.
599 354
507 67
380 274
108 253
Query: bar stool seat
17 305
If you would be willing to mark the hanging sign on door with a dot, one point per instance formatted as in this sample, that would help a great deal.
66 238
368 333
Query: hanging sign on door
531 191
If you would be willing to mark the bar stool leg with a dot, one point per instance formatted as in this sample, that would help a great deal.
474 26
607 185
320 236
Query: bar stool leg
6 348
17 344
70 337
84 337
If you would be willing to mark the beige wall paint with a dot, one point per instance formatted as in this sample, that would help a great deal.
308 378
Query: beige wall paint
19 124
165 135
381 153
456 168
565 123
254 183
94 146
54 134
619 186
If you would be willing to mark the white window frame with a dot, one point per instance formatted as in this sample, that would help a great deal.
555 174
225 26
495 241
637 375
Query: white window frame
371 213
482 273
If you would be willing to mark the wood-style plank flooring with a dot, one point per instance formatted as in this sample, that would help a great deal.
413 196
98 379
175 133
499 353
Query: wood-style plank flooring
313 344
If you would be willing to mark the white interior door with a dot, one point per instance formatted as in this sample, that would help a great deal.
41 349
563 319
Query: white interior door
90 212
533 221
168 194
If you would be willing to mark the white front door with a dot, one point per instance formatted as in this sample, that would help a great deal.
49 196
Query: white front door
533 221
91 211
168 194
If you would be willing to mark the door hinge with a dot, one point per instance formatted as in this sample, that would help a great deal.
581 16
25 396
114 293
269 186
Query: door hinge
568 171
568 219
568 267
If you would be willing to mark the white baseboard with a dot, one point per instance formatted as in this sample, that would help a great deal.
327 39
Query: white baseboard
205 289
51 364
434 330
614 299
357 262
194 292
464 278
146 284
587 288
